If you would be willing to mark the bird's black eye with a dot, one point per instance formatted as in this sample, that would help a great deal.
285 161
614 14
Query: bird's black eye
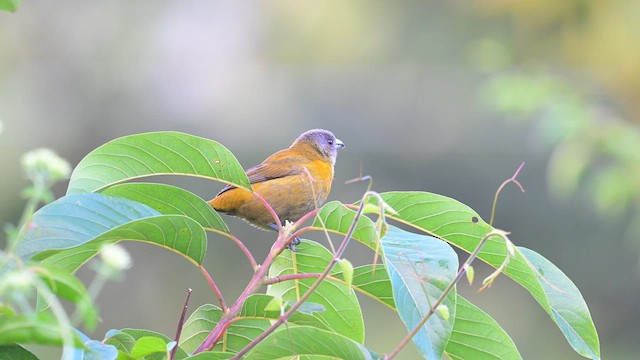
330 142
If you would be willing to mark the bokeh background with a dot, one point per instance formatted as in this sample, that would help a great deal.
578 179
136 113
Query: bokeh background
447 97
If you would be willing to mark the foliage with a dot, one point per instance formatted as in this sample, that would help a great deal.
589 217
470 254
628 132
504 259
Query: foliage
310 307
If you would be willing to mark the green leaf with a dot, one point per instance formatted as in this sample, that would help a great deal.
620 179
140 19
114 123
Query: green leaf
10 5
67 286
157 153
478 336
16 352
337 218
372 280
198 326
342 311
148 345
257 306
420 268
569 309
70 231
39 328
459 225
308 343
205 318
121 341
140 333
170 200
212 355
74 220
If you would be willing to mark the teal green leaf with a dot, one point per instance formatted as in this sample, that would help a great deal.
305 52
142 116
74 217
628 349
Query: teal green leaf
74 220
337 218
121 341
420 268
459 225
478 336
308 342
373 281
16 352
157 153
70 231
170 200
569 310
65 285
342 311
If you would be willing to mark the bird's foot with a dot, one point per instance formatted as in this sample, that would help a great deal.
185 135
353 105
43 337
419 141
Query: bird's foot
292 245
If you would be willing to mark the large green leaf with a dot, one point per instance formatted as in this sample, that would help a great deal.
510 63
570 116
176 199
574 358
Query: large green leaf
478 336
237 336
459 225
170 200
308 343
420 268
70 231
74 220
157 153
569 309
373 281
337 218
342 312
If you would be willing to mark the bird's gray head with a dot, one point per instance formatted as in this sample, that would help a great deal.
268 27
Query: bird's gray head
323 141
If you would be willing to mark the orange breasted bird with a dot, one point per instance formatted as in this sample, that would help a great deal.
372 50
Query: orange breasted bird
293 181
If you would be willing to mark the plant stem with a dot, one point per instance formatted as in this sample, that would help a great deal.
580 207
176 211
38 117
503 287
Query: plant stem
215 287
512 179
244 249
440 299
311 289
181 324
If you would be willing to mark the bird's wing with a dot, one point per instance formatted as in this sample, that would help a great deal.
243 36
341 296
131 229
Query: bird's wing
276 166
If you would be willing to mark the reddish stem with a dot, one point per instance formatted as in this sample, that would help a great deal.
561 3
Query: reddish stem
181 324
275 217
213 286
244 249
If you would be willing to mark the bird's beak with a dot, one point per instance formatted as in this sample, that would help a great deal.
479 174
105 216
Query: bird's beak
339 144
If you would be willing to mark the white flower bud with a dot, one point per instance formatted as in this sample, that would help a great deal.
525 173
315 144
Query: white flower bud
116 257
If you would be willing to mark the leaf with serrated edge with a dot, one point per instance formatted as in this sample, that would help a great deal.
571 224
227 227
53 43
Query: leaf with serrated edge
156 153
342 311
478 336
420 268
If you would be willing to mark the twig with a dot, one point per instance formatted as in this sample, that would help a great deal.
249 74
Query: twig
311 289
512 179
215 288
181 324
244 249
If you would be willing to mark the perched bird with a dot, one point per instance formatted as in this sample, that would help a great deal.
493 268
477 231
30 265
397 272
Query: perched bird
293 181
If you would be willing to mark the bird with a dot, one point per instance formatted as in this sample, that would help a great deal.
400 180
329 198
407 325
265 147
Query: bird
293 181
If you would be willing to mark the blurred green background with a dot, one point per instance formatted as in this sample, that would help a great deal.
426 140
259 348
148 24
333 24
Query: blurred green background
447 97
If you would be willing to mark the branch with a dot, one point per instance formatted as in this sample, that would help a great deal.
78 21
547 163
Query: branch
512 179
180 324
311 289
215 287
